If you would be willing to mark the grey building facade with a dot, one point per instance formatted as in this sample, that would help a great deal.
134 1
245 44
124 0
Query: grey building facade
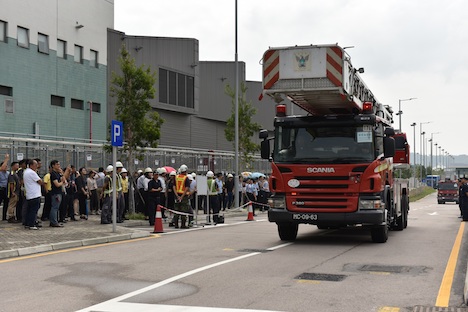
190 94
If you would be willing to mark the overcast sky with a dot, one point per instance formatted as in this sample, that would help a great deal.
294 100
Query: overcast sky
407 48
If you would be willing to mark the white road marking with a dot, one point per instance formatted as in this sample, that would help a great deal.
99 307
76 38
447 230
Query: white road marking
109 305
435 213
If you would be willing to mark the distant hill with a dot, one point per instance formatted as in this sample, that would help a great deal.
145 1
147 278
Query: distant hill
457 161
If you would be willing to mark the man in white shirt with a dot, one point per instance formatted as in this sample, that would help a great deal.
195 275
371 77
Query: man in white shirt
32 184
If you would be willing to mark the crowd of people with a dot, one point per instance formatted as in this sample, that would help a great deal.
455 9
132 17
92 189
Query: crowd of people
71 195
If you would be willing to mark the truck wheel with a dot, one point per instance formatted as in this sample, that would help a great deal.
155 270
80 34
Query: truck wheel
379 234
402 220
406 205
287 231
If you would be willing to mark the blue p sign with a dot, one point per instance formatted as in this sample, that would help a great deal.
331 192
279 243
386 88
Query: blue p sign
117 133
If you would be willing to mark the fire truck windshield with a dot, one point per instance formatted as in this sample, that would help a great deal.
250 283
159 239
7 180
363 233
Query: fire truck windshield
324 145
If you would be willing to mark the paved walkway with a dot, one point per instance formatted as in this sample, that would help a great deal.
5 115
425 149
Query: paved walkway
16 241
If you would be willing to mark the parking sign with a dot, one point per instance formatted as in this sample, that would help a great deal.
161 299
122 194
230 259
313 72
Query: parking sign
117 133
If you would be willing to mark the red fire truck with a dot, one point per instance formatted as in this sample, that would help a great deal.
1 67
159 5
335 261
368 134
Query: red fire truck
334 166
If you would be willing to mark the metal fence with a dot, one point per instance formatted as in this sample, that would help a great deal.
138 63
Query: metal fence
93 155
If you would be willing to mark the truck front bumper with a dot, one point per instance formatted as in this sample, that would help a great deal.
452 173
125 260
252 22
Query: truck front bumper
365 217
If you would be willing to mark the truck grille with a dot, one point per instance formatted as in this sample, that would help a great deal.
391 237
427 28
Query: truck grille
324 193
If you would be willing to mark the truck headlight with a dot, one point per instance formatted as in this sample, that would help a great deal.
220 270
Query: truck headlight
366 204
278 202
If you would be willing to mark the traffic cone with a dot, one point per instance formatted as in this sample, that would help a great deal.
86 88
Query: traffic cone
250 216
158 226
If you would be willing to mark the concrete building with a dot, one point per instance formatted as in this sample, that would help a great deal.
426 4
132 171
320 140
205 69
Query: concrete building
53 63
190 94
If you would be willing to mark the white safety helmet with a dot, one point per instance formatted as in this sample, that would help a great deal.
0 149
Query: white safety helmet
162 170
230 176
148 170
183 168
173 173
210 174
193 174
190 177
139 171
110 168
118 165
123 170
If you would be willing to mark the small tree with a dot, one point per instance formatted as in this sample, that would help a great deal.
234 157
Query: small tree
247 128
133 90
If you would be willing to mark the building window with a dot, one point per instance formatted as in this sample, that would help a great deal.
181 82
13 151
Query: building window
61 49
3 28
9 106
77 104
93 58
57 100
176 89
43 43
78 54
4 90
162 85
96 107
23 37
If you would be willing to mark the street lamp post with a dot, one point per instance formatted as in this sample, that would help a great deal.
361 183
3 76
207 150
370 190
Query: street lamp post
423 162
440 149
400 111
414 151
432 140
421 144
436 155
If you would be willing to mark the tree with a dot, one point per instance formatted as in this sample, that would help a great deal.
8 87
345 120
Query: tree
247 128
133 88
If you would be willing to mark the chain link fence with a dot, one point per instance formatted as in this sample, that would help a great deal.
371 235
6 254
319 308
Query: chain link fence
93 155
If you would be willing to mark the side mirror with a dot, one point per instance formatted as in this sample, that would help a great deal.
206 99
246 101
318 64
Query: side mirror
263 134
389 146
265 149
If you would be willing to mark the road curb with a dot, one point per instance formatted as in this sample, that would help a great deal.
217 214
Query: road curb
5 254
465 289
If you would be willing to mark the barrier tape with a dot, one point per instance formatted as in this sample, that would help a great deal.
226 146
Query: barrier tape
214 214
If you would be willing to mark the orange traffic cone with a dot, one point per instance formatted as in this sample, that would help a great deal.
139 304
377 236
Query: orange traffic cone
158 226
250 216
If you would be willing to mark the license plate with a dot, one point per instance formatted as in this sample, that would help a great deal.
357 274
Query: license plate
305 216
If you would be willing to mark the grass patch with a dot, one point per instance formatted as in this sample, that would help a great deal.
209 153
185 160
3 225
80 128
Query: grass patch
136 216
420 192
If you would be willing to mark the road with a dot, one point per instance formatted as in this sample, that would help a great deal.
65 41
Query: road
246 266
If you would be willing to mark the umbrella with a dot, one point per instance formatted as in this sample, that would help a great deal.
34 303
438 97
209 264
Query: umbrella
246 174
257 175
169 169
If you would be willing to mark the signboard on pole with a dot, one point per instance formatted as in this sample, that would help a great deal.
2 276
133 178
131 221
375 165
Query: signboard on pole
116 133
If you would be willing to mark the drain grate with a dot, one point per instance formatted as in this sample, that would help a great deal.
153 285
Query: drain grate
439 309
385 268
321 277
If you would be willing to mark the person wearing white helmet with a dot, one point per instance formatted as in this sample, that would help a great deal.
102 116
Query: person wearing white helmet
140 191
170 196
229 185
106 211
148 177
162 196
182 193
213 195
119 192
124 175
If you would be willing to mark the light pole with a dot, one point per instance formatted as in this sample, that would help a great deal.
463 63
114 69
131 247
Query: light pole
400 111
421 143
414 147
432 140
440 148
436 155
423 162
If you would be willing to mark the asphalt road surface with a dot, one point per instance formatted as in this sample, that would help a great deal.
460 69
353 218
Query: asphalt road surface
245 266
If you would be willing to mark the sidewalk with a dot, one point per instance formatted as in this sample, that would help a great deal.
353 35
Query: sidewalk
16 241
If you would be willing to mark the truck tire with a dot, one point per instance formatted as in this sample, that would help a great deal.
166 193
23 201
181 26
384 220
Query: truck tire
287 231
379 234
402 220
406 203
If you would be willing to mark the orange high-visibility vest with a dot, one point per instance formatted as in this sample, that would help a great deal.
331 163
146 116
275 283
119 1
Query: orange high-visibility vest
180 183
